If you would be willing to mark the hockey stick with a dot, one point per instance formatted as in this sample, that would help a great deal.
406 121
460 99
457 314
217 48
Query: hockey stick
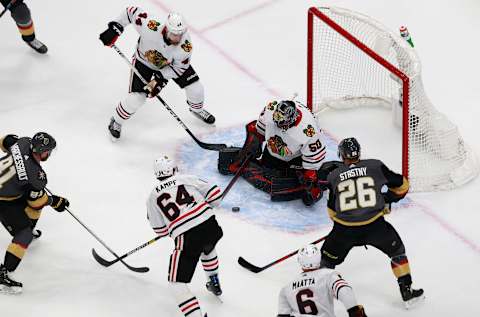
256 269
7 7
106 263
135 269
207 146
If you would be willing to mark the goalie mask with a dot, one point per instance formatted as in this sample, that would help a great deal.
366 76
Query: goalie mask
285 114
164 167
349 148
43 144
309 257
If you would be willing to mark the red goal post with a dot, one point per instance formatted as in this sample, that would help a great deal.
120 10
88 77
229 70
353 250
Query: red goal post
355 61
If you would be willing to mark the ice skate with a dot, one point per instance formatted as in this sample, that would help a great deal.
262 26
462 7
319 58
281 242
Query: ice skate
204 115
7 285
213 285
38 46
36 234
115 129
411 297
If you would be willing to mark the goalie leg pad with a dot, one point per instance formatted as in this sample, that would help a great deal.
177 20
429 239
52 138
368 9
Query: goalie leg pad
286 189
226 157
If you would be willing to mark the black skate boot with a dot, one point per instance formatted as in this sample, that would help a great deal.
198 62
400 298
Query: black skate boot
7 285
204 115
36 234
38 46
411 297
115 129
213 285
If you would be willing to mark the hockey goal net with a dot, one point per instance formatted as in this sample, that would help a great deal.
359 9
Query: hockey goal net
354 61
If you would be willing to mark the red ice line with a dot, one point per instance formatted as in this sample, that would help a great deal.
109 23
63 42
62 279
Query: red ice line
239 66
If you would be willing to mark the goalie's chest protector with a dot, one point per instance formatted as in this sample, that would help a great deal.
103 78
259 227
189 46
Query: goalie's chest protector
287 144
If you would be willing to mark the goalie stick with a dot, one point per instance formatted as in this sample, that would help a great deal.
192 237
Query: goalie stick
106 263
257 269
207 146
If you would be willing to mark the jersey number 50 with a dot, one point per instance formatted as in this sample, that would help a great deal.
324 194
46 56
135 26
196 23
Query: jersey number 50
171 209
355 193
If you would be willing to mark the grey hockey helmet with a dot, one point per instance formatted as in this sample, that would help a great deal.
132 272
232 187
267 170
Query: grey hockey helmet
349 148
43 142
285 114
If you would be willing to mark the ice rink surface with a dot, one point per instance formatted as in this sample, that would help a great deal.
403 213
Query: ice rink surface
246 53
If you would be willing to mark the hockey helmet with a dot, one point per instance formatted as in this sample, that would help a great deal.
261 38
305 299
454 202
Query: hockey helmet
349 148
43 142
164 167
285 114
309 257
175 24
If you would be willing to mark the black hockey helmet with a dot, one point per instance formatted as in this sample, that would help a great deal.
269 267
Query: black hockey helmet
43 142
349 148
285 114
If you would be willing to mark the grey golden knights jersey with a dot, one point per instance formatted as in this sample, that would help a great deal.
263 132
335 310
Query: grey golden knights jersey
20 173
355 196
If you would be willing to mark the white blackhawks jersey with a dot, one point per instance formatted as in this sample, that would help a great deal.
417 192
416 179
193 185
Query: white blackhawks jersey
170 60
312 293
304 139
180 203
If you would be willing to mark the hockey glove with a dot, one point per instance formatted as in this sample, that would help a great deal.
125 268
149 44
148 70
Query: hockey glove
9 140
356 311
58 203
154 87
110 35
251 148
313 193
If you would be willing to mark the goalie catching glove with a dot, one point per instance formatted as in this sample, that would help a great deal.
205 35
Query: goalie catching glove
58 203
110 35
154 87
252 146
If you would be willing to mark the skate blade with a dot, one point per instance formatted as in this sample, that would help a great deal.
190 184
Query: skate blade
14 290
414 302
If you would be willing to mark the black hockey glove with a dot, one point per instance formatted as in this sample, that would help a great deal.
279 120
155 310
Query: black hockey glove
154 87
9 140
356 311
110 35
58 203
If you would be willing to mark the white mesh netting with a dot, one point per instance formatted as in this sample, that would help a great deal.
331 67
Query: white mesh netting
344 76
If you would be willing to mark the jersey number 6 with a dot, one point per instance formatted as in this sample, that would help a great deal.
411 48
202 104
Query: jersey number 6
170 209
306 306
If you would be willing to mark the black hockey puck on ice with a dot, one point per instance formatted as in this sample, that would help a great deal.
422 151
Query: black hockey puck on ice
235 209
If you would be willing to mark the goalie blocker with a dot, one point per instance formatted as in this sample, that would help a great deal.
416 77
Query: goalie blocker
288 167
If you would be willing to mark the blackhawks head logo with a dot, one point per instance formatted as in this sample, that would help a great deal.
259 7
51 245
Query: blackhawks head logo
187 46
277 146
156 58
271 105
309 131
153 25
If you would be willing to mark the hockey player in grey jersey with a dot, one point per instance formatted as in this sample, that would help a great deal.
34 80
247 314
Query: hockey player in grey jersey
22 197
313 291
164 52
180 206
357 206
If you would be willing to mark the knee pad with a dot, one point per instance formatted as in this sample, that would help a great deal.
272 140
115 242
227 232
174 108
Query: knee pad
21 13
23 236
195 94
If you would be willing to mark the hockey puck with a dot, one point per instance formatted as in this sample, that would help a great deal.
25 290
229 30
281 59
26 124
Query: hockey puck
235 209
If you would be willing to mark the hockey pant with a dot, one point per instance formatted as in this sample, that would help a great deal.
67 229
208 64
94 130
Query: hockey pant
19 221
189 81
22 17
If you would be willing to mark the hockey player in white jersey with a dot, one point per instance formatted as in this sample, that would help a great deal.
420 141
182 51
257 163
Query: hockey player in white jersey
294 151
181 206
312 293
163 52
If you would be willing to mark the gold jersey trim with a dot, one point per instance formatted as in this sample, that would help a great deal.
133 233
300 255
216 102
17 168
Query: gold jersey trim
333 216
